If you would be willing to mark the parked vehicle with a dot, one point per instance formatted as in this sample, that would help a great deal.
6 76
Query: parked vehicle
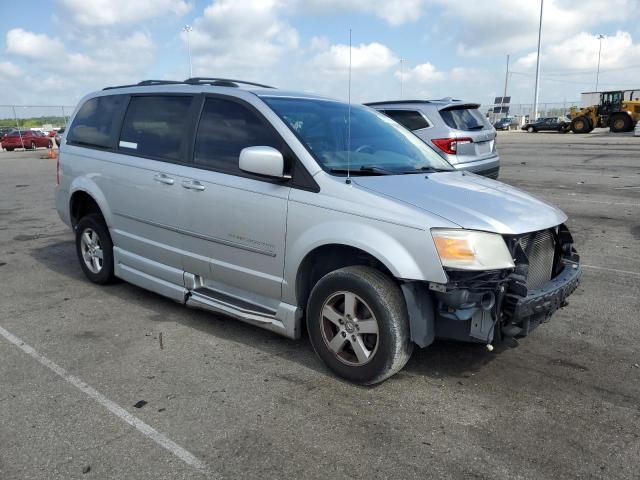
613 111
27 139
277 207
457 130
58 137
504 123
548 124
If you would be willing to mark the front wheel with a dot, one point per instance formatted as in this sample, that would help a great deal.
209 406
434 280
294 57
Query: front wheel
95 249
531 130
33 145
358 324
581 125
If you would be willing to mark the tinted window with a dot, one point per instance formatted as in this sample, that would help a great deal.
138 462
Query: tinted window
226 128
408 118
464 118
155 126
96 120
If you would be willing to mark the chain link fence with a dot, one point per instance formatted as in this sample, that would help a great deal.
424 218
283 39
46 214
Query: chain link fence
523 112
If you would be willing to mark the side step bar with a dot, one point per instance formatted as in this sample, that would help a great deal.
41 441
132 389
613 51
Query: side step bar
285 321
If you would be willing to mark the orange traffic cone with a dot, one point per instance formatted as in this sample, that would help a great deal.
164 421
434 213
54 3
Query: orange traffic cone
52 153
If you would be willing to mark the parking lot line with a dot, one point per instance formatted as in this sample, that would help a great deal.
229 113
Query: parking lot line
624 272
113 407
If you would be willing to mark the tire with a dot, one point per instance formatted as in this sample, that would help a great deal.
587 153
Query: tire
620 123
379 307
531 130
50 144
581 125
89 248
9 149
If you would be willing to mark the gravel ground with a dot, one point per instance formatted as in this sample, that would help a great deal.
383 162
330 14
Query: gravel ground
249 404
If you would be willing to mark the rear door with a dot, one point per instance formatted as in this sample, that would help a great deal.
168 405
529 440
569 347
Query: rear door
469 124
142 183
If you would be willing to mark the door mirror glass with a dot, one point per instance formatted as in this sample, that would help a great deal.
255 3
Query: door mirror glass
265 161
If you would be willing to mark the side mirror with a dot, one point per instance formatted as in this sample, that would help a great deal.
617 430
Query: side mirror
265 161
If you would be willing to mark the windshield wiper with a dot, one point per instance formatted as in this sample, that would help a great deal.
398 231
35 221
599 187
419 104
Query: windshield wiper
429 169
364 169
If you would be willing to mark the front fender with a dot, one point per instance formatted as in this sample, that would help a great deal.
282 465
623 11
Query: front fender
408 253
87 185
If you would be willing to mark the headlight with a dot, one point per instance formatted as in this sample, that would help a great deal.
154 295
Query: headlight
471 250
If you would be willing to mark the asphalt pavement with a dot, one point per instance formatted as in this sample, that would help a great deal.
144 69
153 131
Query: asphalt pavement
117 382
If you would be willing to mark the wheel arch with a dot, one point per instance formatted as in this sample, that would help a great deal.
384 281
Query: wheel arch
85 197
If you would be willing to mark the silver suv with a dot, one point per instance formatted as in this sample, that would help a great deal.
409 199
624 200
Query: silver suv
285 209
455 129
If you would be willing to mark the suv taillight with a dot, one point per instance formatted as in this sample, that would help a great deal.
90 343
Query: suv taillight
450 145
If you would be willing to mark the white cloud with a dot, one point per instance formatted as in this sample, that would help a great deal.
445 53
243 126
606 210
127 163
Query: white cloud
394 12
503 26
10 70
117 12
580 52
423 73
370 58
32 45
234 34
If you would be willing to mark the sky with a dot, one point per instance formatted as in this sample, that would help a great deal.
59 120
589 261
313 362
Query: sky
54 52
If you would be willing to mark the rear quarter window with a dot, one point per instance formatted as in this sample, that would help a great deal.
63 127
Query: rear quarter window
467 119
411 119
96 122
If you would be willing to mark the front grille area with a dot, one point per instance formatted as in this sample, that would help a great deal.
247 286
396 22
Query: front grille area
539 247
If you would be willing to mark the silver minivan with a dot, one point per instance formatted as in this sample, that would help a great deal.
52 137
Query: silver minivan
292 211
457 130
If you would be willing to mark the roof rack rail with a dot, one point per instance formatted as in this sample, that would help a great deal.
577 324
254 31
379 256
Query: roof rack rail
222 82
145 83
218 82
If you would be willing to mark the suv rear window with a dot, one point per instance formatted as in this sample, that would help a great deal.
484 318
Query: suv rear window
156 126
408 118
464 118
96 121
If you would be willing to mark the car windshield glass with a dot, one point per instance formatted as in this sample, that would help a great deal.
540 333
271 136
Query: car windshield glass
378 145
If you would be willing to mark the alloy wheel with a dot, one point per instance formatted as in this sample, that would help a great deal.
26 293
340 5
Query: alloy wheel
349 328
91 248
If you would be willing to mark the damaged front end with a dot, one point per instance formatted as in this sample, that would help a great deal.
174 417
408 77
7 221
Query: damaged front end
490 306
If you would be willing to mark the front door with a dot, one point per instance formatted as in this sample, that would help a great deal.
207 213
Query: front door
236 220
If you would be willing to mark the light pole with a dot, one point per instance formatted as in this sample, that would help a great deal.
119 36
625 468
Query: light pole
188 29
600 38
535 97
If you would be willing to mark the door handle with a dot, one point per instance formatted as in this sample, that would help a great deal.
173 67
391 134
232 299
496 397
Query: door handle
192 185
162 178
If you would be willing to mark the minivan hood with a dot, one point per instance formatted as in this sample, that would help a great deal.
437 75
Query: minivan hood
469 200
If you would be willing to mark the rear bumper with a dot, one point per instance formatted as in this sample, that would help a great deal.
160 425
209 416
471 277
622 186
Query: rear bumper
489 167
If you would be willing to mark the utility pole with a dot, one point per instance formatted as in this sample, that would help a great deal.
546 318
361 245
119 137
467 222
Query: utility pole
401 76
535 97
188 29
600 38
506 82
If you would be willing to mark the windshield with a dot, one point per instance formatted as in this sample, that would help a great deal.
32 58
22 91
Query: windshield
378 144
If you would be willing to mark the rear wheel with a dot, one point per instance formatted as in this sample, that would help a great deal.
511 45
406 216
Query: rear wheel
95 249
581 125
358 324
50 144
9 149
620 123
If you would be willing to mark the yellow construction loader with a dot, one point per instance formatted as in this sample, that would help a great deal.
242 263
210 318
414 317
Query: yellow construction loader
613 111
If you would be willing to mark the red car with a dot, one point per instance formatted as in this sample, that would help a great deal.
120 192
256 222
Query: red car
28 139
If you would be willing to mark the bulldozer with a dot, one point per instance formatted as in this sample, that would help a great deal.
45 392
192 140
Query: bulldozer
613 111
